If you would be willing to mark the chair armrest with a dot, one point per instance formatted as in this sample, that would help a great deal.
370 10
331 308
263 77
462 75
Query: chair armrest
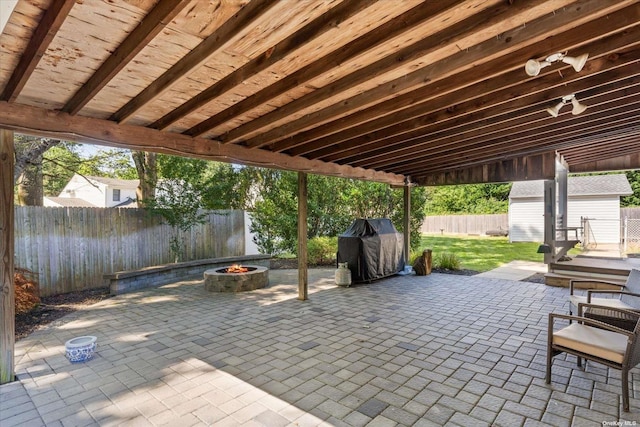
621 292
587 321
604 282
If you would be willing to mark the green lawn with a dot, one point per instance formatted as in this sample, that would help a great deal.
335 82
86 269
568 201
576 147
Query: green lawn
482 253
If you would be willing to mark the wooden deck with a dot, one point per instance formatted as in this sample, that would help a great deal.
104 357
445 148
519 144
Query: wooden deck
609 269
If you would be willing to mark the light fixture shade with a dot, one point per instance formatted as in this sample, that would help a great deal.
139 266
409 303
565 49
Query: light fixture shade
533 67
577 107
544 249
578 62
555 110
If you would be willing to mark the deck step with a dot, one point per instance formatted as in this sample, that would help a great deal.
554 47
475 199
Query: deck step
562 280
590 267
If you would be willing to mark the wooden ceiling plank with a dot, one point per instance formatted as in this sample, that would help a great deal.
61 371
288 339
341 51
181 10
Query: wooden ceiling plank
159 17
530 115
451 104
47 29
602 71
402 23
194 59
38 121
324 23
486 51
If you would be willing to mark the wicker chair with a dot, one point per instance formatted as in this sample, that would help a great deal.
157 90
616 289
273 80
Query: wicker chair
628 296
596 341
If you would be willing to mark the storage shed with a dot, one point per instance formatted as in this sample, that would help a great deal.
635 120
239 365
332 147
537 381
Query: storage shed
594 197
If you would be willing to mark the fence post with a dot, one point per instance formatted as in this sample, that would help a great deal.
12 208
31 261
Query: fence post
626 234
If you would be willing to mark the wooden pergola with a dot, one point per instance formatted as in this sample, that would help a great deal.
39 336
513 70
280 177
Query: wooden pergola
402 92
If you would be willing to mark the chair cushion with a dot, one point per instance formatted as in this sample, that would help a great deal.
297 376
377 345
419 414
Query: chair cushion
594 341
632 285
607 302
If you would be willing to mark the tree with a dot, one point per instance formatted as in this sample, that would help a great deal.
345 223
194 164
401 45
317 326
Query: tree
178 197
468 199
633 200
146 166
28 174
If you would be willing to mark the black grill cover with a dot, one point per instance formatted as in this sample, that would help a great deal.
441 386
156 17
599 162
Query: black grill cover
373 248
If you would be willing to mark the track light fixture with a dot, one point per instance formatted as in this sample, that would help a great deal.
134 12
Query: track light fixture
577 107
533 66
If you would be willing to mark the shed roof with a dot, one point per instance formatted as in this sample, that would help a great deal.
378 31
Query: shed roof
595 185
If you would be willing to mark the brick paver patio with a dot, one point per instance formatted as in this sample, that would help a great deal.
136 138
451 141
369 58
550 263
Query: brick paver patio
424 351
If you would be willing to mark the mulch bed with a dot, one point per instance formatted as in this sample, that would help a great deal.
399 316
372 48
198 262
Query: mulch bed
54 307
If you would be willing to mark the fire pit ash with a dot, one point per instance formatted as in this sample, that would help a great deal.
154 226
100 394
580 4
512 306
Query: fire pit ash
236 278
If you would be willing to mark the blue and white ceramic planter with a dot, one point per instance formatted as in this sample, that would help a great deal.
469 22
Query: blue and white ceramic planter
80 349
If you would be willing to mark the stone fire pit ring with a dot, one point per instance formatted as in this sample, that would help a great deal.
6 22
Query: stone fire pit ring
217 280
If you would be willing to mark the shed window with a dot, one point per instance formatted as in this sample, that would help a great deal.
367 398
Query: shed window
116 195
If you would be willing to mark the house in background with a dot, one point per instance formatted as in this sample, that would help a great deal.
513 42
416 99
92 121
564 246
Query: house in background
594 197
94 191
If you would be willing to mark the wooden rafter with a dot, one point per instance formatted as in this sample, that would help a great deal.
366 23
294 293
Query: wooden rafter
424 130
42 36
476 83
150 26
194 59
412 18
484 52
274 54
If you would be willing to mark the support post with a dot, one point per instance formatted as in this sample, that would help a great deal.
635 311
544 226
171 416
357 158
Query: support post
7 296
407 223
303 280
550 219
561 177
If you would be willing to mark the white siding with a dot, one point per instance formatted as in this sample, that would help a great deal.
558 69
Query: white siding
124 194
604 215
80 188
526 220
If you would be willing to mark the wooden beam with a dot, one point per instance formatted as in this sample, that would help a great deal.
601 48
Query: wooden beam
38 121
419 15
526 168
303 279
159 17
324 23
486 51
7 296
628 162
47 29
195 58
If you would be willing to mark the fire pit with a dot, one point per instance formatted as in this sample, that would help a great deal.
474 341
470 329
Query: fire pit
236 278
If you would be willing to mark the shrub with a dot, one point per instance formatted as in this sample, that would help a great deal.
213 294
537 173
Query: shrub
322 250
26 291
448 261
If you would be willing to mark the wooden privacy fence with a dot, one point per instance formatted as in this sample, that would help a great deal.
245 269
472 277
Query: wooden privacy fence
464 224
71 249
